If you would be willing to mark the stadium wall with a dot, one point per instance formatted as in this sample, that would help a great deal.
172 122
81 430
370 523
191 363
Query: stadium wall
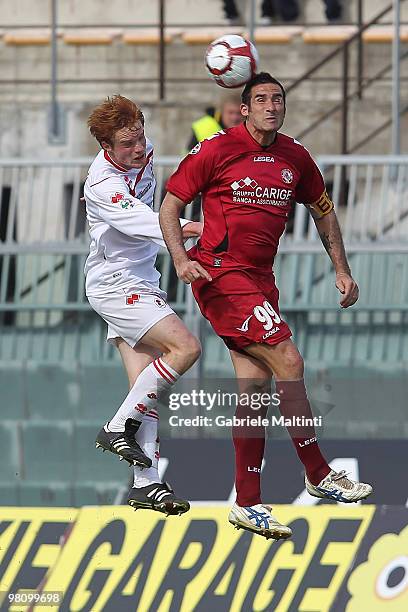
24 127
89 72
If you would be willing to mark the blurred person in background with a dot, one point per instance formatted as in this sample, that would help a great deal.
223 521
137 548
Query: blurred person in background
122 286
289 11
285 10
333 10
227 115
281 10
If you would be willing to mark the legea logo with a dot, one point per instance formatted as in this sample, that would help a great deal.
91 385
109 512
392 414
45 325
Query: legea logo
264 158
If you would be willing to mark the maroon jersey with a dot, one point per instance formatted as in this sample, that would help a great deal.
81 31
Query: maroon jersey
248 191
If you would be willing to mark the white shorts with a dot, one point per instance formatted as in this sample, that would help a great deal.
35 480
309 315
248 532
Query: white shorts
130 314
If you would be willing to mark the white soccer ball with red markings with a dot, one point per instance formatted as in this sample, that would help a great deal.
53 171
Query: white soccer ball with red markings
231 60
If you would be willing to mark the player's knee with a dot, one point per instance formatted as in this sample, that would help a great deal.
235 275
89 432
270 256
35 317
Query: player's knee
296 366
293 364
193 349
189 348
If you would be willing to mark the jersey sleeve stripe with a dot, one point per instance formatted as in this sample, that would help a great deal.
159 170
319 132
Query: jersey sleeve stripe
105 178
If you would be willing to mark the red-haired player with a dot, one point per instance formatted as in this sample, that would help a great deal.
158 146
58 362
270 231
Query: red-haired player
122 286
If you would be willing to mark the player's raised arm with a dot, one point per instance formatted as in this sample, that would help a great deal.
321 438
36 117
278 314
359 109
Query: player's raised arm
330 235
187 270
311 190
329 230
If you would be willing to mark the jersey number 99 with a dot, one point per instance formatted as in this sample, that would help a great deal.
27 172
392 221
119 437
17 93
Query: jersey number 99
267 315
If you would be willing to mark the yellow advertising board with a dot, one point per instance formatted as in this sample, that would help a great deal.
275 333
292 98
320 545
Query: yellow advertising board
119 560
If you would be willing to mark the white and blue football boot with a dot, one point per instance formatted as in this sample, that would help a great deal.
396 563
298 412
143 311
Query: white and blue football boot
258 519
338 487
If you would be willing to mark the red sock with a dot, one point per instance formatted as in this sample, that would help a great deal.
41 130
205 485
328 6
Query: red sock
294 403
249 443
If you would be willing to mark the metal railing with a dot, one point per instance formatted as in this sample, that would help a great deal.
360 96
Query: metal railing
362 84
376 207
42 211
44 313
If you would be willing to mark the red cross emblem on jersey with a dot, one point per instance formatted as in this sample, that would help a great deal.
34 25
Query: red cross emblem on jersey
117 197
132 299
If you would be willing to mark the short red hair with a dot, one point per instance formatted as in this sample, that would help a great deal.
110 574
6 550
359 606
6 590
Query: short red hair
112 115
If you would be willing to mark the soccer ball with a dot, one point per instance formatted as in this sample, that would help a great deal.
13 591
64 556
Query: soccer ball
231 60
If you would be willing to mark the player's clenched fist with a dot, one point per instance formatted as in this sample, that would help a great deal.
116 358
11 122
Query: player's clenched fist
348 287
190 271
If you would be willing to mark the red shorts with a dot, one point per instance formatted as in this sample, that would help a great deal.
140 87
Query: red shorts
242 308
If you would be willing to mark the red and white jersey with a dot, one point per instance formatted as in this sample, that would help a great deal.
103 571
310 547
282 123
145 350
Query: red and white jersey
248 191
124 230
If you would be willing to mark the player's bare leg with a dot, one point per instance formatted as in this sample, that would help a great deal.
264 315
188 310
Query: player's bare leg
144 366
135 359
178 348
248 512
147 480
286 363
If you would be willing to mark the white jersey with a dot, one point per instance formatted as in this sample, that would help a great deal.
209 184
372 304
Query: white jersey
124 230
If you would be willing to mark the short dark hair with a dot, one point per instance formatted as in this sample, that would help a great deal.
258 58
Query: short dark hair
260 79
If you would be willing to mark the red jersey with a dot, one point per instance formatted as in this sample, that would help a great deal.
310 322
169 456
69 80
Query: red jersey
247 191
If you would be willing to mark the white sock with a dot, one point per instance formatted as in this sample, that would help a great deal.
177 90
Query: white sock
148 439
156 378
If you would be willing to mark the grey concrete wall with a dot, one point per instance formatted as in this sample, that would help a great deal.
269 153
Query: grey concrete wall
88 74
24 102
23 129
